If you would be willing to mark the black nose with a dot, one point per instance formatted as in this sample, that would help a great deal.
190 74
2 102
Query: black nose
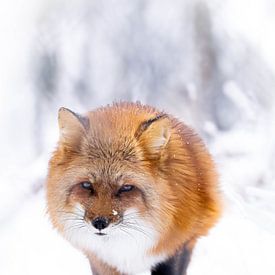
100 223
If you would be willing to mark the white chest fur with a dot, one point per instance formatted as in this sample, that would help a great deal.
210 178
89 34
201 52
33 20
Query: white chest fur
129 254
125 246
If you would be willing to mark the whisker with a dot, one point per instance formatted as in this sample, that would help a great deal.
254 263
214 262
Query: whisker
137 228
131 215
70 213
128 233
75 227
72 219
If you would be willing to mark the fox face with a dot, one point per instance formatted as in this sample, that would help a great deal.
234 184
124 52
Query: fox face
105 197
127 185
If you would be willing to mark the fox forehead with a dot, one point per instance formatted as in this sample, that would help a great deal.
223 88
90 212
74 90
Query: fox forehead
109 149
110 170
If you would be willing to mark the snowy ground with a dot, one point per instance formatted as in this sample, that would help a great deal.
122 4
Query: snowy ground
243 242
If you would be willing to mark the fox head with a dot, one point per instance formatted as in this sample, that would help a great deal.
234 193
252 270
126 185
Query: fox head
125 171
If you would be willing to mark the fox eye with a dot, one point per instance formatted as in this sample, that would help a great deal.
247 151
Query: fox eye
87 185
125 188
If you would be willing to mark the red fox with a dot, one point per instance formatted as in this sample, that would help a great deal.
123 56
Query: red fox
131 187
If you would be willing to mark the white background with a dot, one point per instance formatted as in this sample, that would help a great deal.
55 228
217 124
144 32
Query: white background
210 63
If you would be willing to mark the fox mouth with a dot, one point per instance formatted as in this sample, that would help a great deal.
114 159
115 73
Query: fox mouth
100 234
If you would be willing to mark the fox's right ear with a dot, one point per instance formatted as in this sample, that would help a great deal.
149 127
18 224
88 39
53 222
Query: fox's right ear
154 135
71 124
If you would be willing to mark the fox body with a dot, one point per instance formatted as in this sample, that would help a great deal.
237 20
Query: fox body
131 187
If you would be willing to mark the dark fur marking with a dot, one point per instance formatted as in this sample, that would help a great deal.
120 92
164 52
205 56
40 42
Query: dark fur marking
144 125
176 265
82 119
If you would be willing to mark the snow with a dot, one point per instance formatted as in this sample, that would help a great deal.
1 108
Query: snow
210 63
114 212
30 246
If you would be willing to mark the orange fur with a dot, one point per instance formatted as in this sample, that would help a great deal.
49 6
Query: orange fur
164 158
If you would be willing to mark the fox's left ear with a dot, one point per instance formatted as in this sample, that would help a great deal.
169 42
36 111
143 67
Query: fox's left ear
71 124
154 134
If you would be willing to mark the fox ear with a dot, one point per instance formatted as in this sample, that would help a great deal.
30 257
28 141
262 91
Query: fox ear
71 124
154 134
